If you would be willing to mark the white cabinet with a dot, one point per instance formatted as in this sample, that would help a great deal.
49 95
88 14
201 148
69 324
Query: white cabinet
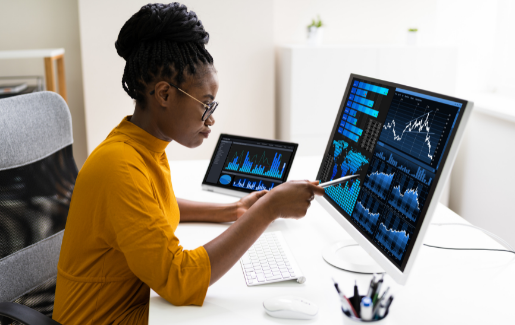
311 82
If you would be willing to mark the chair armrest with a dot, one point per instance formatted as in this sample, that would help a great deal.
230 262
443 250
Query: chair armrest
25 314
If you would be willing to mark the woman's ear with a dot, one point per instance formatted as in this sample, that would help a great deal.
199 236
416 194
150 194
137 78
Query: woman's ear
162 93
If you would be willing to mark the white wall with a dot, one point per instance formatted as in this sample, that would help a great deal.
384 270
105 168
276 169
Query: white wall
241 44
482 180
350 21
33 24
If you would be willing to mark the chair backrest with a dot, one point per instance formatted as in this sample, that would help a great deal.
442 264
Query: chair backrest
37 177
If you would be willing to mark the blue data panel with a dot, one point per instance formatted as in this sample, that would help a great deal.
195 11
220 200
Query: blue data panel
373 88
262 162
417 126
367 212
364 101
408 196
393 234
363 109
345 161
252 183
353 129
349 134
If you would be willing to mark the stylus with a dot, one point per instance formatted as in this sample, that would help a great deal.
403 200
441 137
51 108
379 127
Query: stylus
338 181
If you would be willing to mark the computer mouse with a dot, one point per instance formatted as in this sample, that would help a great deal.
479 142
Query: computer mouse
290 307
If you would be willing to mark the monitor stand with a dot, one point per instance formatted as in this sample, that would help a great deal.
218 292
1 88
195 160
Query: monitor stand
348 255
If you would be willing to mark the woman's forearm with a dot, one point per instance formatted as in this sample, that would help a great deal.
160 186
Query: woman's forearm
225 250
192 211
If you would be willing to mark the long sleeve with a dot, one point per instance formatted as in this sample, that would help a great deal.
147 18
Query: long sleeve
141 231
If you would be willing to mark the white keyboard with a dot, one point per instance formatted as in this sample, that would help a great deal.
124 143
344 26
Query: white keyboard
270 260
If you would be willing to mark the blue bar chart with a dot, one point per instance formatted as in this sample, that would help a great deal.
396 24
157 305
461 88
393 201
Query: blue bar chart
261 162
345 196
370 87
405 165
357 101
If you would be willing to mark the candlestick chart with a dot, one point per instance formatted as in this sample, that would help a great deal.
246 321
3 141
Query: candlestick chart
257 161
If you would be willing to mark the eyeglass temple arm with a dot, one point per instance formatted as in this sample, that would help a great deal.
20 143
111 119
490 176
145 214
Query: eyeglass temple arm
190 96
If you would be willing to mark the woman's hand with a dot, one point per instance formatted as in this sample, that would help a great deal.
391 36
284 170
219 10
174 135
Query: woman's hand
246 202
292 199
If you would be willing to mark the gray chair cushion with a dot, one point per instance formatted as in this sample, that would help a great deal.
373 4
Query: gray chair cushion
33 127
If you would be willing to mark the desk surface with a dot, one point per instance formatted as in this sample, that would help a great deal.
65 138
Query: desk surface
445 287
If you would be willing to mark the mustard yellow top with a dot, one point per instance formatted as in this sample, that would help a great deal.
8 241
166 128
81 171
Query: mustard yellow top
119 238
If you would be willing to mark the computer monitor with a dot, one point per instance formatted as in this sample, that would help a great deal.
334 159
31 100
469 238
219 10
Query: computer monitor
403 142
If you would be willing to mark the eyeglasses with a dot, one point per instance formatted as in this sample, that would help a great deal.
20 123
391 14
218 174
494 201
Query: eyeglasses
210 109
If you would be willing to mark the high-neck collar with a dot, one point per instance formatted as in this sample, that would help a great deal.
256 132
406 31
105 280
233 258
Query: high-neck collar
139 135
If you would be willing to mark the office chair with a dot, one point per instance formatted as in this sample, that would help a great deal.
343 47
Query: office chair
37 177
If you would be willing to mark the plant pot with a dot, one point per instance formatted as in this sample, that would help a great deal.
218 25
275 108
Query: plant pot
315 35
411 38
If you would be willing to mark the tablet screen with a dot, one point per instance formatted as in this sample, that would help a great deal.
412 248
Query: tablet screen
246 164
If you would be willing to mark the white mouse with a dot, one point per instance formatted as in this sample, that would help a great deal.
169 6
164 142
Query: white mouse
290 307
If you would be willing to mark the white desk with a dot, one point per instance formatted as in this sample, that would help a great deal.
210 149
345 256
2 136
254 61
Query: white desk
445 287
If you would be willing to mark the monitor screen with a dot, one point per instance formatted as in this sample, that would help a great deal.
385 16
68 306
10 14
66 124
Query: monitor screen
249 164
396 138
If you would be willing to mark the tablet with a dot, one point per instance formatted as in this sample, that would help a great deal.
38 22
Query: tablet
241 165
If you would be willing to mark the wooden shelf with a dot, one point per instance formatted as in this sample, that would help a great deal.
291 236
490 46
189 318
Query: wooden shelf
49 56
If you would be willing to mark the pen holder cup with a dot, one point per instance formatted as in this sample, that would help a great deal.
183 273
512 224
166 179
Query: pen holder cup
349 320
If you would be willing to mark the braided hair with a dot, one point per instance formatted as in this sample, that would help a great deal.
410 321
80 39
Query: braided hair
161 41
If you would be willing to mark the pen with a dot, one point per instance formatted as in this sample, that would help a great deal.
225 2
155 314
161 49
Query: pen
349 305
336 286
377 291
371 288
338 181
380 302
388 303
345 300
356 300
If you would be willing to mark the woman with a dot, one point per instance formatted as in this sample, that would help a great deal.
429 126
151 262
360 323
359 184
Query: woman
119 239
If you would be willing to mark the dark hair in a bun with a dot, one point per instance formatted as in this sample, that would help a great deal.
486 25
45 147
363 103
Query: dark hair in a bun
158 41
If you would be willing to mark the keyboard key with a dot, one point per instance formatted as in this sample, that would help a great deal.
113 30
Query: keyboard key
285 275
261 278
250 281
275 277
267 271
259 271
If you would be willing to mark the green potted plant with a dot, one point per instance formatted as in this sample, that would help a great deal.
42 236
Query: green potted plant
315 32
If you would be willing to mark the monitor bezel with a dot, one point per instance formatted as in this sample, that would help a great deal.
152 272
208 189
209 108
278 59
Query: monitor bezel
241 192
448 159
